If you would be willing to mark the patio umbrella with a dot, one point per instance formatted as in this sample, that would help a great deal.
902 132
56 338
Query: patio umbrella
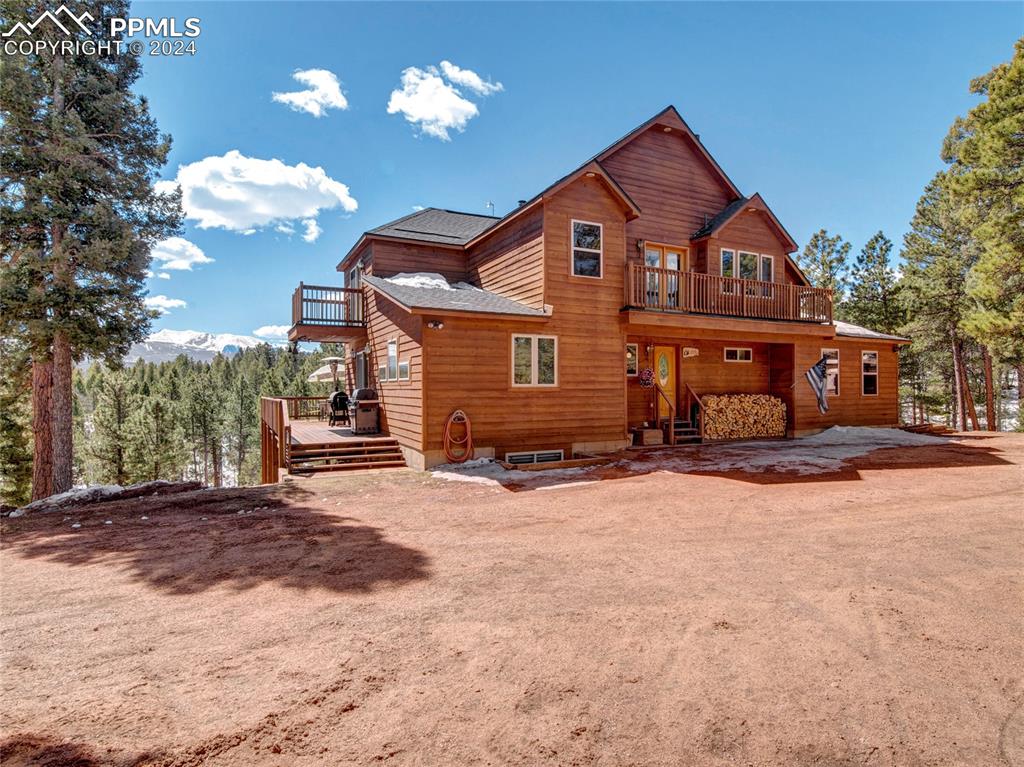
328 372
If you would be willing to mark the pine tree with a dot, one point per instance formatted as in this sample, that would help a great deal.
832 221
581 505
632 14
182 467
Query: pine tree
938 253
78 216
110 444
155 447
823 261
15 441
873 301
986 152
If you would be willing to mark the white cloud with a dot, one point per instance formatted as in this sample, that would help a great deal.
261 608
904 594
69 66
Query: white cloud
324 93
433 103
163 304
164 276
417 207
285 228
470 79
177 253
243 194
313 230
271 331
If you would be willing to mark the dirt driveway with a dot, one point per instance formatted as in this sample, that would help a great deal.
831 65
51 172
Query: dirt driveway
866 615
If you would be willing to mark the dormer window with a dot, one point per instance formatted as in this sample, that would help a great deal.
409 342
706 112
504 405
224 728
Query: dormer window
587 249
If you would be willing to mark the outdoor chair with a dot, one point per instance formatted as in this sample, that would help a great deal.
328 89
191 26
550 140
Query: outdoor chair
339 409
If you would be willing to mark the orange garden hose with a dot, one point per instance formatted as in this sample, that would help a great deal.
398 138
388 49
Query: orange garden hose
451 444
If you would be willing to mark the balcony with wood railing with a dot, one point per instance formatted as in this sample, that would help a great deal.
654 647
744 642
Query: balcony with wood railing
669 290
322 313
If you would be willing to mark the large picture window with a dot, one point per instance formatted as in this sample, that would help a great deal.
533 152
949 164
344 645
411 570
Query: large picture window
586 249
832 371
534 360
869 373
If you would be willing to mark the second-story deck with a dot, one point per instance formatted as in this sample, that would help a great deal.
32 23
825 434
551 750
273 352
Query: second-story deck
323 313
669 290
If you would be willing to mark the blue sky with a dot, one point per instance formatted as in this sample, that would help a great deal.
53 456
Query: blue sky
834 112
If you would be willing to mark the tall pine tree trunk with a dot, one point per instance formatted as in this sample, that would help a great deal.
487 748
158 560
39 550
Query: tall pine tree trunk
968 404
42 435
991 423
958 384
63 410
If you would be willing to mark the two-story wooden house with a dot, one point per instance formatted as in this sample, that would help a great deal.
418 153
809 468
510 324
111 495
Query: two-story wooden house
549 321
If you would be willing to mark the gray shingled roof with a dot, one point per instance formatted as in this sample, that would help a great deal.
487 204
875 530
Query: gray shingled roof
719 220
458 298
856 331
436 225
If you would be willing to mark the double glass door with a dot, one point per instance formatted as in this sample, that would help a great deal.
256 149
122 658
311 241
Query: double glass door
663 286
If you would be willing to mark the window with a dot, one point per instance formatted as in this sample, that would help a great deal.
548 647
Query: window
586 249
353 277
869 373
728 263
382 373
534 360
748 266
767 269
733 354
832 371
632 359
403 370
392 360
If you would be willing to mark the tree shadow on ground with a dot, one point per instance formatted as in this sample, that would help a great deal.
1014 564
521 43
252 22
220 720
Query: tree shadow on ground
239 539
22 750
707 460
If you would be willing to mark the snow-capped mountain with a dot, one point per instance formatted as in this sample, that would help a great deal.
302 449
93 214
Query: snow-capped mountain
166 345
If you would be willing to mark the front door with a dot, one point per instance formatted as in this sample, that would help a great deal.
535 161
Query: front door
665 375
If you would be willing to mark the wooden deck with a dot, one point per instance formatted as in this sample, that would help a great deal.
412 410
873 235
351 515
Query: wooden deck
310 432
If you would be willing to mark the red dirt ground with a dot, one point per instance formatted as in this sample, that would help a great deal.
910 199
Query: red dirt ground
867 617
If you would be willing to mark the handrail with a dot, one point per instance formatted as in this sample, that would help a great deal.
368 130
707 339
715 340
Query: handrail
649 287
326 305
275 438
690 393
671 413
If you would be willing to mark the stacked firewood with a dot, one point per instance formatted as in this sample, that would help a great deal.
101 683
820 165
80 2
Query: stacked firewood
743 416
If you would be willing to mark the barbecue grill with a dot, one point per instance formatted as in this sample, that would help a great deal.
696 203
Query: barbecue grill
365 411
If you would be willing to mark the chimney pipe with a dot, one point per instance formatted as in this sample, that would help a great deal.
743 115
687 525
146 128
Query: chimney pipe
521 203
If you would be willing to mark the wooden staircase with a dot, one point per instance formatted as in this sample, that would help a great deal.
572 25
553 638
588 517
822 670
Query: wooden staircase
685 432
350 455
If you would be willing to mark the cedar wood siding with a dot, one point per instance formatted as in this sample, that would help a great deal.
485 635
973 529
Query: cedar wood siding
469 362
391 258
751 233
401 401
850 408
671 184
511 261
775 369
707 373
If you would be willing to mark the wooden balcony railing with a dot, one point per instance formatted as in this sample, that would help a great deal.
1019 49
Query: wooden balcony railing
695 293
275 439
323 305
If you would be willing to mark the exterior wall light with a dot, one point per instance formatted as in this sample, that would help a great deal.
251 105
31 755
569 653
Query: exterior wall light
435 325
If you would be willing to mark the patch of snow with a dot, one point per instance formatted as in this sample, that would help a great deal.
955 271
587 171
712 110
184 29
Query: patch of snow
420 280
486 471
824 452
75 495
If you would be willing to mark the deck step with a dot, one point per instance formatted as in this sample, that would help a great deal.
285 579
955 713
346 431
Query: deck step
307 452
349 466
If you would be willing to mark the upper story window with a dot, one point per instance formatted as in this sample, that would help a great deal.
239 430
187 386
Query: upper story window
587 239
534 360
352 278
